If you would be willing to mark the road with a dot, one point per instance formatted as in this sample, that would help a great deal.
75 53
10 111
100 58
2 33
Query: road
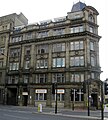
30 113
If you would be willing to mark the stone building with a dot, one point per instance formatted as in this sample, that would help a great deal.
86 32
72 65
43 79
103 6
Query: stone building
64 51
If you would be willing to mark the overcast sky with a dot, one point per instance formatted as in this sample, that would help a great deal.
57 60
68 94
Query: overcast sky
39 10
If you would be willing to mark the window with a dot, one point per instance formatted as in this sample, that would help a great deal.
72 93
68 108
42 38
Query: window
2 50
1 63
77 95
77 45
92 75
77 61
27 64
58 62
43 63
92 61
91 46
42 49
41 94
15 39
59 31
91 29
27 50
29 35
13 80
58 77
14 66
26 78
43 34
77 29
58 47
77 77
60 97
41 78
91 18
15 52
3 39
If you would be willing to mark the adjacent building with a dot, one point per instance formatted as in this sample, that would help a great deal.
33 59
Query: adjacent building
64 51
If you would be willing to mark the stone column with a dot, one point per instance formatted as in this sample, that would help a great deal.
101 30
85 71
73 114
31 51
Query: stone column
49 98
67 98
67 62
31 97
20 100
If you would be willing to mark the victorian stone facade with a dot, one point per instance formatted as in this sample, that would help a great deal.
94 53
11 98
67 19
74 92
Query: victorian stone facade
63 51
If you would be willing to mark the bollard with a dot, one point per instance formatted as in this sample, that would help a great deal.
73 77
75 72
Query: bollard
40 108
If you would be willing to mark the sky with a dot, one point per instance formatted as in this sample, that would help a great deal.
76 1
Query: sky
39 10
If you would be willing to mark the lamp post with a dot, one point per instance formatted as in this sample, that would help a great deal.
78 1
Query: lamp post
56 98
102 102
88 98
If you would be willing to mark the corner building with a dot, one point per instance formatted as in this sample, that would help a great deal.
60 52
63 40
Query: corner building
65 51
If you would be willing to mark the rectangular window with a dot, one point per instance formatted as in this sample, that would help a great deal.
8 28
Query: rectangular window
91 46
58 77
59 31
77 61
15 52
77 45
58 62
60 97
29 35
58 47
92 61
13 79
2 50
26 78
77 77
1 63
42 49
91 29
77 95
14 66
41 96
77 29
43 63
15 39
27 50
41 78
27 64
43 34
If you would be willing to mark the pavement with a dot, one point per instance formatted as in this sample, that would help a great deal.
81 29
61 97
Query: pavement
78 113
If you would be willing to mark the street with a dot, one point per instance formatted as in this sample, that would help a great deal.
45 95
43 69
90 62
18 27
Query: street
31 113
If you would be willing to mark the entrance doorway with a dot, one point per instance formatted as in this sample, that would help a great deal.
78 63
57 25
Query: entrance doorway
12 96
94 100
25 100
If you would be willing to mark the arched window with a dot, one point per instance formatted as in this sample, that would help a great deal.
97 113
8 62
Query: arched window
91 18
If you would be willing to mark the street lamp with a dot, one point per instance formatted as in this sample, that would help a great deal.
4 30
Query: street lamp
102 101
54 91
88 98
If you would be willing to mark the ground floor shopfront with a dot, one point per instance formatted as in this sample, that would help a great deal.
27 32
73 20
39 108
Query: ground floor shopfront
32 96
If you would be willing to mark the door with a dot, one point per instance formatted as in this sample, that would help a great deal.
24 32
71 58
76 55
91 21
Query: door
25 100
